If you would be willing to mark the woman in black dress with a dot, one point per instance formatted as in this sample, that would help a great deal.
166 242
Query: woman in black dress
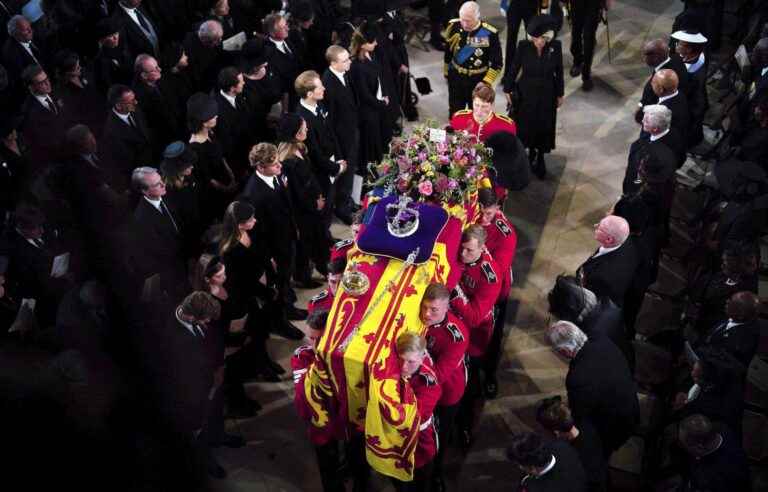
366 74
182 189
307 197
217 181
538 92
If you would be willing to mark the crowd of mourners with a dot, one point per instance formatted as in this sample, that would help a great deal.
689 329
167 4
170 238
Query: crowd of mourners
170 170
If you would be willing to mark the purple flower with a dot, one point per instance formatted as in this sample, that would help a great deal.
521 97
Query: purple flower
403 164
452 184
458 154
441 183
425 188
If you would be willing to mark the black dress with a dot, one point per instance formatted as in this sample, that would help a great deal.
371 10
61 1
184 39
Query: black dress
314 238
367 76
536 92
210 166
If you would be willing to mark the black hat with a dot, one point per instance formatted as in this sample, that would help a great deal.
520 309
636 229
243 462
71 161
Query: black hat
369 31
106 27
170 55
540 25
242 211
202 107
509 160
288 127
255 52
301 10
180 153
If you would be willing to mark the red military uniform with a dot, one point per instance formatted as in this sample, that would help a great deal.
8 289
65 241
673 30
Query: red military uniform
341 248
480 284
427 391
501 243
464 120
447 343
322 300
301 360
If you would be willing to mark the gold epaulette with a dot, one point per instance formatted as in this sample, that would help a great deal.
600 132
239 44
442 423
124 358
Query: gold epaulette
462 112
504 117
489 27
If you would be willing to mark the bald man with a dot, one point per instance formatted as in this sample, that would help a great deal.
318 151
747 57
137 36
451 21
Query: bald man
657 56
740 333
665 86
610 270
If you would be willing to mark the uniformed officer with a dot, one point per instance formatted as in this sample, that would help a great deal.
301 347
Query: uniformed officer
481 121
326 446
501 243
324 299
517 11
473 300
447 340
472 54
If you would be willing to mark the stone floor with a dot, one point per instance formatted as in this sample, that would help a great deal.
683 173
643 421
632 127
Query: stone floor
554 220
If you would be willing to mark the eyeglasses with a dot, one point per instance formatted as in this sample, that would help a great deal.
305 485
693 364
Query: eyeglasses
42 81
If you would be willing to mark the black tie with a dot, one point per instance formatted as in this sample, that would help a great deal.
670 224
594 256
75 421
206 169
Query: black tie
199 331
51 106
143 21
287 49
167 213
38 243
131 121
276 183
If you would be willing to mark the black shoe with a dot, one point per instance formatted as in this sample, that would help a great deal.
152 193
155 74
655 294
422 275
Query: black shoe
344 216
287 330
491 388
309 284
229 441
438 484
587 84
215 470
575 70
295 314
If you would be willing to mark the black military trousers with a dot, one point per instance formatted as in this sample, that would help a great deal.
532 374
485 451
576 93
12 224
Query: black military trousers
517 12
586 17
460 90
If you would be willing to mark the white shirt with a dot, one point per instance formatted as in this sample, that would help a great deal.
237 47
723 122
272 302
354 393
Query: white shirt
193 329
312 108
762 72
665 98
731 324
604 251
656 137
379 93
339 75
661 65
123 117
267 179
155 203
45 101
229 98
280 45
28 46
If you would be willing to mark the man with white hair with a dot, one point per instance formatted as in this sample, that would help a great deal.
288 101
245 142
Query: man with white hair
600 387
657 126
472 55
161 115
203 48
610 270
656 154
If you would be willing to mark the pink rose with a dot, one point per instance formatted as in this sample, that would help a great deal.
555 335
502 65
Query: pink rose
402 184
452 184
384 167
425 188
441 184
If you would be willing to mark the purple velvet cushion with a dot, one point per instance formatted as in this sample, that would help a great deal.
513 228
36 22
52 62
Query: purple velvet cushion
377 240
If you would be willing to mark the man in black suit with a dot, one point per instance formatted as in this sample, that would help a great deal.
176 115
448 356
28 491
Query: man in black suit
653 149
181 379
32 254
657 129
111 64
600 386
42 125
234 115
139 31
159 248
664 84
610 270
262 86
127 139
20 51
7 10
657 56
322 144
285 58
548 467
343 106
740 333
267 192
206 56
162 117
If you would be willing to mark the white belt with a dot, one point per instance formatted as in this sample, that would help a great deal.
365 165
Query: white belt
425 425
